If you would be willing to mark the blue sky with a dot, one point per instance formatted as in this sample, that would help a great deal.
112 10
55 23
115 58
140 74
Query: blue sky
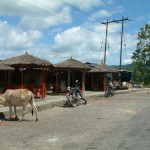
57 30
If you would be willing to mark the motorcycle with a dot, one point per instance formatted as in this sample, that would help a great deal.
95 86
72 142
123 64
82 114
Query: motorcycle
74 96
111 88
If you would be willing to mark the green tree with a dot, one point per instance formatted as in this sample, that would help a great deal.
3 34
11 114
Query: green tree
141 56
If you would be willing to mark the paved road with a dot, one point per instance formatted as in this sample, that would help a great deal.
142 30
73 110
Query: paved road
116 123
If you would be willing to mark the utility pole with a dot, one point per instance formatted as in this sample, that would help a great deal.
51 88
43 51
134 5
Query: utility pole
122 20
106 23
105 41
116 21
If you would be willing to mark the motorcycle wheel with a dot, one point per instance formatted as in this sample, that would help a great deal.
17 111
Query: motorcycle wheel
84 101
72 101
112 92
106 93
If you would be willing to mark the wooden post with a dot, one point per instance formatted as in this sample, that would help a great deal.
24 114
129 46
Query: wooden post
68 78
22 77
57 78
92 81
104 82
43 83
83 81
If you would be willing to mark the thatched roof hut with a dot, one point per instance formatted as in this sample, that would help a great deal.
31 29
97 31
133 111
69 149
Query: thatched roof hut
75 69
27 60
103 68
99 74
5 67
72 64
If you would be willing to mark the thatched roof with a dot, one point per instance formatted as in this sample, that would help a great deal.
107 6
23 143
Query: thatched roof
72 64
103 68
5 67
25 60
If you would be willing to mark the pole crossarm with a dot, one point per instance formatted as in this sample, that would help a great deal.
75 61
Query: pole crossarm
114 21
109 22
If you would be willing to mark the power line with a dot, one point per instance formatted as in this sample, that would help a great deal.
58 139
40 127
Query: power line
114 21
37 7
87 3
79 10
110 6
97 61
77 22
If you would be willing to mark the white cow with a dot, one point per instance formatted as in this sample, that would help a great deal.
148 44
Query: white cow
125 84
18 98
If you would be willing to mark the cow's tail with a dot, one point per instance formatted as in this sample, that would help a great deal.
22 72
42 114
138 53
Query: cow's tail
33 106
32 111
32 102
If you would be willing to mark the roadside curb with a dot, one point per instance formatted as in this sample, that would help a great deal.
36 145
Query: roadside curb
46 106
60 103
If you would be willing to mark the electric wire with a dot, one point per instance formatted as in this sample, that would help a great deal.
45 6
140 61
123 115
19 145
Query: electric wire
46 11
77 22
111 7
99 53
75 8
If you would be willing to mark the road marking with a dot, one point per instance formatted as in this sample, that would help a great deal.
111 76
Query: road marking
128 111
52 140
103 101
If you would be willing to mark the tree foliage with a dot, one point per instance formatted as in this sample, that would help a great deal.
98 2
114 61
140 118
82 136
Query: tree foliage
141 56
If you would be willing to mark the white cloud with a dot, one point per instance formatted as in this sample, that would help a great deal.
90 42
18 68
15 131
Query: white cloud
15 39
37 14
127 61
78 42
85 45
101 13
39 27
29 7
83 4
72 35
40 22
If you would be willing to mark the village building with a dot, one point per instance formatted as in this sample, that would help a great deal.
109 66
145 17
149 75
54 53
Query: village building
40 76
5 72
68 71
30 72
99 76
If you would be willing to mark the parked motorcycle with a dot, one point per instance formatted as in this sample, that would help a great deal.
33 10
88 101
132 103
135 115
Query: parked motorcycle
111 88
74 96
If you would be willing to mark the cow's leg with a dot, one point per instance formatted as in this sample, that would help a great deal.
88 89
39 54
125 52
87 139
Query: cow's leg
10 111
15 111
23 113
35 110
